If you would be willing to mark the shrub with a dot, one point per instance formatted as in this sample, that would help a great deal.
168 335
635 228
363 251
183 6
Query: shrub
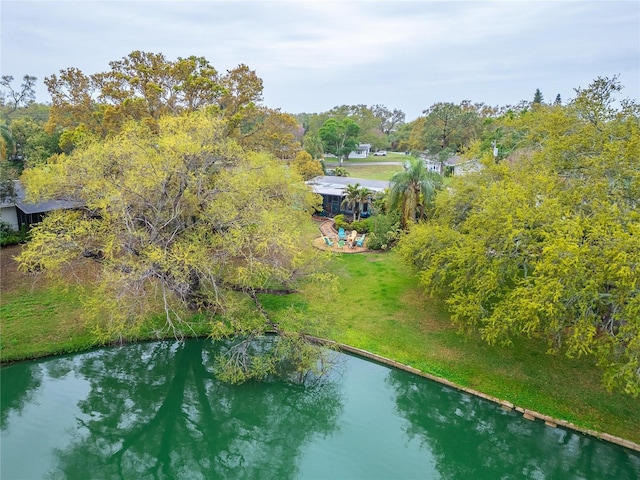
5 229
384 230
361 226
8 236
306 166
341 222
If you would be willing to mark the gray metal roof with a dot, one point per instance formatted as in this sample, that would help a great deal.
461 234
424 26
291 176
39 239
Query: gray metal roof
337 185
29 208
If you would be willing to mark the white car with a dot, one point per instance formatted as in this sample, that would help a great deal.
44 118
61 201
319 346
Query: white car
380 153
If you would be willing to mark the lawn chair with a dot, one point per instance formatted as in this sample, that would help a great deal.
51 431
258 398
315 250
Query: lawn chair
328 241
352 239
341 234
341 243
360 241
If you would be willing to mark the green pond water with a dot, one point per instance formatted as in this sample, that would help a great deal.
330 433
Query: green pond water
155 410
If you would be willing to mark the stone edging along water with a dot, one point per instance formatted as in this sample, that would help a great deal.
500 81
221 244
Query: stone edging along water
526 413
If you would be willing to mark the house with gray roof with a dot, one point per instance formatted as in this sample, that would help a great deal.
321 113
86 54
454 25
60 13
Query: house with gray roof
455 165
333 189
17 212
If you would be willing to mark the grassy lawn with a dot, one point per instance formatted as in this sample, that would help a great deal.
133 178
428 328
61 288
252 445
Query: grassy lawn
389 157
378 308
373 172
40 318
40 322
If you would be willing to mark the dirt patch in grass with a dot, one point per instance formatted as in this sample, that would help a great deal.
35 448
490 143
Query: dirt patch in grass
10 277
13 279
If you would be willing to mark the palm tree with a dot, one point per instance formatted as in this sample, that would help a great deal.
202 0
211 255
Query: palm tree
364 197
340 172
413 191
355 198
7 142
351 195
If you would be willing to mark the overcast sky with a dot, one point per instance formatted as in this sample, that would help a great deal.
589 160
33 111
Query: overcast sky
314 55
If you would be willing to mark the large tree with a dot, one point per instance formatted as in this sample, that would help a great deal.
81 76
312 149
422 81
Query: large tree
14 99
145 86
7 142
447 128
372 122
267 130
340 137
8 171
369 123
546 243
537 97
33 144
389 120
178 218
306 166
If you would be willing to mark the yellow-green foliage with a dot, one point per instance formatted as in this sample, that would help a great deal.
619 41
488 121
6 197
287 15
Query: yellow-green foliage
288 356
547 243
177 218
306 166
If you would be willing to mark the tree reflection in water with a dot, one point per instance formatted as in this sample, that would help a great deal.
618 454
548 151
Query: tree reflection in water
18 390
495 442
156 411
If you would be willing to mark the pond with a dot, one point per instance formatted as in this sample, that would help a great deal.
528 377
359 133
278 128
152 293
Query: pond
155 410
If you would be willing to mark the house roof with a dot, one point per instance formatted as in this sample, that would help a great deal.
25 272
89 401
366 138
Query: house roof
20 201
337 185
451 161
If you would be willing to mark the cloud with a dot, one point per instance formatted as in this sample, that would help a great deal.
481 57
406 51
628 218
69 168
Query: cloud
313 55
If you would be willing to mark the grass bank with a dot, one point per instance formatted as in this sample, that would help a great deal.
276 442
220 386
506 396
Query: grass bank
378 308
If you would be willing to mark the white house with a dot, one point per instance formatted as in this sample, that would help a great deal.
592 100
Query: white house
9 214
463 166
457 164
363 151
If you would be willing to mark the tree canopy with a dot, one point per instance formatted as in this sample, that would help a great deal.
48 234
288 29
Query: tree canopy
449 127
389 120
377 125
306 166
178 218
546 243
339 137
537 97
14 99
145 86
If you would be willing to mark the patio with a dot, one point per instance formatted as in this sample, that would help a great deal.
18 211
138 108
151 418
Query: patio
327 229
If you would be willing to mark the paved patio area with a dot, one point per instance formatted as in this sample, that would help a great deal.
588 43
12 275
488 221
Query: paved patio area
327 229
